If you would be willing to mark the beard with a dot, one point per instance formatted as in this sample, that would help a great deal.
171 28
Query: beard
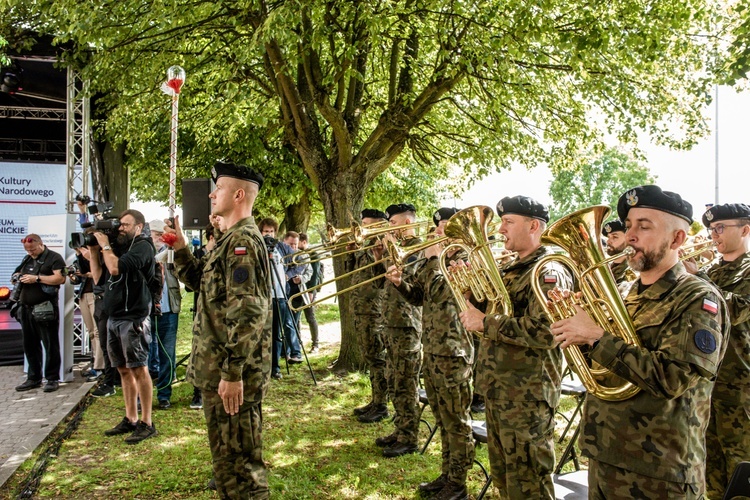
124 239
614 251
646 261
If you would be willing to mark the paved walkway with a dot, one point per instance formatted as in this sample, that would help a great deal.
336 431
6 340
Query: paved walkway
28 417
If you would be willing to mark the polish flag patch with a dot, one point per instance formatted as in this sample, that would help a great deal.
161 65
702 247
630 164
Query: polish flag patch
550 278
710 306
240 250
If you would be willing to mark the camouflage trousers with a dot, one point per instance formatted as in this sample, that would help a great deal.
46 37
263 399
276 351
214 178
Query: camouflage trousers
373 350
403 364
236 449
610 482
520 442
447 381
727 444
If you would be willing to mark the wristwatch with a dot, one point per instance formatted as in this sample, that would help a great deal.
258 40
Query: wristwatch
106 247
38 278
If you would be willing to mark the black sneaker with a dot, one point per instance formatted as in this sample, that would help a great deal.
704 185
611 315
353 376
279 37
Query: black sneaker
164 404
51 386
197 402
142 431
28 385
103 391
124 427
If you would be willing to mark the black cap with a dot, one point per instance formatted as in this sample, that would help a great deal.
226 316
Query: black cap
443 214
613 226
726 211
522 205
653 197
243 172
399 209
373 213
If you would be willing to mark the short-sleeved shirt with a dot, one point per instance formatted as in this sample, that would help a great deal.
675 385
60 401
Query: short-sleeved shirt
44 265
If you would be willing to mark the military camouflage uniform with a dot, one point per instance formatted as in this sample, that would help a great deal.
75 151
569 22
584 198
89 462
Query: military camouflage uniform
639 445
448 355
367 309
728 434
402 332
232 342
519 372
620 271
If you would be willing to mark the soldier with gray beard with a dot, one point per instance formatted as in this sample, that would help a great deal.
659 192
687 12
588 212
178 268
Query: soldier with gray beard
231 353
447 365
652 445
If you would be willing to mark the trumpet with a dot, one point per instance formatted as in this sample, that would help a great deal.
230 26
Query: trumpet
695 249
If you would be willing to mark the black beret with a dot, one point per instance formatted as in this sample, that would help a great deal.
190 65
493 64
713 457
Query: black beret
399 209
725 212
522 205
245 173
653 197
373 213
613 226
443 214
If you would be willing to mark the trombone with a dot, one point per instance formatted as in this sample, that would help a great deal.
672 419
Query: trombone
692 250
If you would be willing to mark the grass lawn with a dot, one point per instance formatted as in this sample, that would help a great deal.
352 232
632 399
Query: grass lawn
313 445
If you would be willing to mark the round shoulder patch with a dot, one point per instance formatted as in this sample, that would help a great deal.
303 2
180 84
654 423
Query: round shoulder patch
705 341
240 275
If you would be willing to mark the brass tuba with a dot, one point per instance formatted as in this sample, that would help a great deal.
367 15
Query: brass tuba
468 229
578 234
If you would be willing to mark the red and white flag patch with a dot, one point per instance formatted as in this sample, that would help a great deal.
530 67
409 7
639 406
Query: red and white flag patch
550 278
240 250
710 306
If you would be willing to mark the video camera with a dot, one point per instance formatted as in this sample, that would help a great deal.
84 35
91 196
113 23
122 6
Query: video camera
270 243
103 222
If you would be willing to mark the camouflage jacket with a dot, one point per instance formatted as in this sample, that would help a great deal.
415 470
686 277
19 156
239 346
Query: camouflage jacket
681 323
442 331
232 326
397 311
733 279
622 272
366 299
518 358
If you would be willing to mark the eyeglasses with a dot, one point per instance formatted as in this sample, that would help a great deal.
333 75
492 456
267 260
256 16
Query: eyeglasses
719 228
28 240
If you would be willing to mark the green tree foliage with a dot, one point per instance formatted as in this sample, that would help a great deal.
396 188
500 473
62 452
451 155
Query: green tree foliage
600 182
349 85
737 63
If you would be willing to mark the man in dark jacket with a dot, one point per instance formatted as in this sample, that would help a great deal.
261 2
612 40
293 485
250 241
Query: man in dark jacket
127 300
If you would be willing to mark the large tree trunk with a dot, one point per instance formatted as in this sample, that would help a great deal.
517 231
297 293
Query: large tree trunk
110 176
297 216
342 198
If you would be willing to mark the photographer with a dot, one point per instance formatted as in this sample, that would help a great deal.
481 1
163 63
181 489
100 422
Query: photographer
80 273
39 276
127 301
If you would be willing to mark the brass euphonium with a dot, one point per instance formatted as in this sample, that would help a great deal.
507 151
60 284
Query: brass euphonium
469 231
578 234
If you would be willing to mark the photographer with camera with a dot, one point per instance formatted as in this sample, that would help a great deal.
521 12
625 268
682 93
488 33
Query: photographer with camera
127 301
80 274
39 276
82 202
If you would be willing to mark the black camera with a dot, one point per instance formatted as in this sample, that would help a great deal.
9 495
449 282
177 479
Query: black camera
103 222
270 243
71 270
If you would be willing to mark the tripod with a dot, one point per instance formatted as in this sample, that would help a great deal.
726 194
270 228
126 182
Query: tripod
276 280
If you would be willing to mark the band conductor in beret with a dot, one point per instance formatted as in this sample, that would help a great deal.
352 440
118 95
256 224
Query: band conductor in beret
727 211
443 214
522 205
242 172
652 196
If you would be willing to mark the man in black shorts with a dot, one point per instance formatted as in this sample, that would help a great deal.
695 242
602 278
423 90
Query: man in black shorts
127 300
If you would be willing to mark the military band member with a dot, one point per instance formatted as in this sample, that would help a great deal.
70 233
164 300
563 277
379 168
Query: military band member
447 365
520 365
231 353
367 309
728 434
402 332
614 231
652 444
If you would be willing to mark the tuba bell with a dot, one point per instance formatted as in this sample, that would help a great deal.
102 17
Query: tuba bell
578 234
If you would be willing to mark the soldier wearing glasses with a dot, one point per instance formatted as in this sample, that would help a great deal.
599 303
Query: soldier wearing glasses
728 433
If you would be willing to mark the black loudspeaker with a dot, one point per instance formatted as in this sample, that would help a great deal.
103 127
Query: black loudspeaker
196 205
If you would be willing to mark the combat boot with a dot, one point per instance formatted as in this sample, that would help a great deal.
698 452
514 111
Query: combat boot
376 414
433 486
363 409
452 491
386 441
